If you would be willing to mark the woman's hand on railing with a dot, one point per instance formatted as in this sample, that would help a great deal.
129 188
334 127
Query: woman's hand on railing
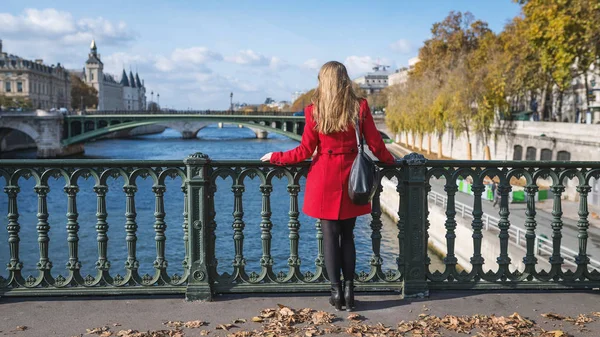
267 157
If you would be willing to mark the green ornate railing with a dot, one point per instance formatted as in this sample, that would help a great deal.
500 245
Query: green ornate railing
201 279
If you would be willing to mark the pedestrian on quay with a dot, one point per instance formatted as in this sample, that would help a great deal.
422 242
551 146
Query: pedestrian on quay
330 128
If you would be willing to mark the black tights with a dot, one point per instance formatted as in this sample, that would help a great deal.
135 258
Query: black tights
340 253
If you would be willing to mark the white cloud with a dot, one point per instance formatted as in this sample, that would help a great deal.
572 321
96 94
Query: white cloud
61 27
358 65
312 64
186 58
278 64
195 55
402 46
248 57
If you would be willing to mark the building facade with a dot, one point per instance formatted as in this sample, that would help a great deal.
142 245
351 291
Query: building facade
46 87
127 94
401 75
375 81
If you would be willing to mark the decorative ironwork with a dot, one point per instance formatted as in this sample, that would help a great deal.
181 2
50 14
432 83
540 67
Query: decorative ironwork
200 278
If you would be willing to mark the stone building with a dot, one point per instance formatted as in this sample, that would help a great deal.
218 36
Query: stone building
127 94
375 81
47 87
401 75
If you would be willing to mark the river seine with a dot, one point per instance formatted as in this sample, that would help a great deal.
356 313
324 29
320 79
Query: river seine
229 142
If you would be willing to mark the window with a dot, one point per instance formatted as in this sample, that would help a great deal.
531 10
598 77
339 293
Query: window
546 154
7 86
518 152
563 155
531 153
91 76
19 86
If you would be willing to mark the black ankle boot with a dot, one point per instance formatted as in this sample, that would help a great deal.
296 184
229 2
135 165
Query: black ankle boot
349 294
336 296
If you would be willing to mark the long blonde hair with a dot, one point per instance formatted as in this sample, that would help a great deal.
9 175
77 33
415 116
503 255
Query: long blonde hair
335 103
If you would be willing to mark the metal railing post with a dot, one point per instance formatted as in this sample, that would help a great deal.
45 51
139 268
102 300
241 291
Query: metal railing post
197 183
415 238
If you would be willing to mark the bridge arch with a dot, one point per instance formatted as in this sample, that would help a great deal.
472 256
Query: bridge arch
25 128
99 132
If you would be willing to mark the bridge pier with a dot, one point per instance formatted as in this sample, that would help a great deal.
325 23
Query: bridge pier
188 134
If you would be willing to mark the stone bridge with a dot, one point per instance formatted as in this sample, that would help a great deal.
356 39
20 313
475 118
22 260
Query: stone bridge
56 135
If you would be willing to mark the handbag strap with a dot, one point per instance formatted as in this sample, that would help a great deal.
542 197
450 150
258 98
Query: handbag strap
359 139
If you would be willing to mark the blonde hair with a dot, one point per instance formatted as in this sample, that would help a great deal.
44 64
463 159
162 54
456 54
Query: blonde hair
335 103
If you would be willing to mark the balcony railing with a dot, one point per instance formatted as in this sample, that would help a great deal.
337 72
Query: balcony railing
197 239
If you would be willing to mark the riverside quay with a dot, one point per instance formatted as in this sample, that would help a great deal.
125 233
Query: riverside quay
196 179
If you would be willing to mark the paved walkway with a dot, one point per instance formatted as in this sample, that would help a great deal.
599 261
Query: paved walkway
73 316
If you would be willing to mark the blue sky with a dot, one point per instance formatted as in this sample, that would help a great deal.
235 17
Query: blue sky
194 53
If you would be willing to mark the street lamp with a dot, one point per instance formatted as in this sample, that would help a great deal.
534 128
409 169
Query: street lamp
158 101
231 101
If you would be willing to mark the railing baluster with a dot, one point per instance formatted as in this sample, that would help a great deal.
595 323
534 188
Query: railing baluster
186 237
159 227
103 265
238 229
294 226
14 265
376 226
44 265
450 260
132 264
504 224
427 223
72 229
211 230
477 259
320 259
583 224
266 261
530 260
556 259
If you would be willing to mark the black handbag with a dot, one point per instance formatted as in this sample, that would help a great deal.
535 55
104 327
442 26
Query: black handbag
364 175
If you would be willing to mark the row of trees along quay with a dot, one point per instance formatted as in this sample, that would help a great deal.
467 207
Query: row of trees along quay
469 78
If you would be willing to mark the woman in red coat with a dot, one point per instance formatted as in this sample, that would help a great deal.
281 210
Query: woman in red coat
329 129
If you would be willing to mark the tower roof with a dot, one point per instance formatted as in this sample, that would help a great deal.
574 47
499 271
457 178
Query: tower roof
138 83
131 80
93 57
124 80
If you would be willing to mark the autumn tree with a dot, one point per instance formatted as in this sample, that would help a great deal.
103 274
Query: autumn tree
567 36
82 95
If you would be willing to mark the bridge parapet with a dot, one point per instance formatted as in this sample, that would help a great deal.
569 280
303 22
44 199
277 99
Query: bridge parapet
196 178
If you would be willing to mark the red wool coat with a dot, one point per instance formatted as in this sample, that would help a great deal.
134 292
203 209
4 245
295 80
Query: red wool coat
326 195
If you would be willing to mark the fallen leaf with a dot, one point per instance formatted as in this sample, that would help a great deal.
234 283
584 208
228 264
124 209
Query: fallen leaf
97 331
355 317
239 320
21 328
194 324
554 316
257 319
226 327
